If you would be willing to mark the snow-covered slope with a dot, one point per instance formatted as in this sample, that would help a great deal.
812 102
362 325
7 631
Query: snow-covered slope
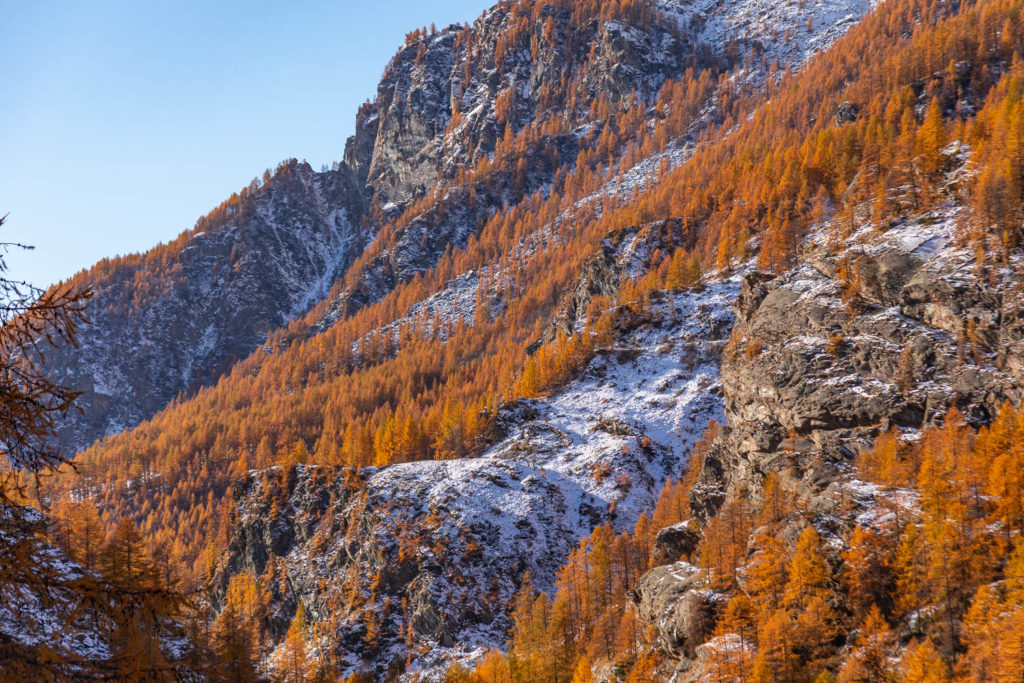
452 540
786 33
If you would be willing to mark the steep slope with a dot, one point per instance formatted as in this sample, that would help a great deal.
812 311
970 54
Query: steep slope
184 313
424 557
440 130
449 100
839 361
380 374
177 317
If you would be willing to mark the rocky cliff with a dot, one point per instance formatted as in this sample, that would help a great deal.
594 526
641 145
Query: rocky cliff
887 327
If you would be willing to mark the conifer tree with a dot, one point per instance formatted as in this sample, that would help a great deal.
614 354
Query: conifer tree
291 660
922 664
867 574
931 138
869 662
233 642
140 603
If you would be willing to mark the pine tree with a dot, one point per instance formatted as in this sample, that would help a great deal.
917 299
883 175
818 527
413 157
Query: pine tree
736 634
808 595
909 567
775 661
87 534
235 630
767 574
809 575
583 673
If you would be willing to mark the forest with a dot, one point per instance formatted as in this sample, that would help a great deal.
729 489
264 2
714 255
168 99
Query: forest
930 590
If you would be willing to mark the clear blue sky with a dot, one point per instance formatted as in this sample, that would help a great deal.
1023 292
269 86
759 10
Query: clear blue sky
121 121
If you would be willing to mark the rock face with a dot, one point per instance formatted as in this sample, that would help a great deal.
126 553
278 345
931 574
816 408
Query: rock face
453 540
447 97
676 600
624 254
878 329
176 318
675 542
882 329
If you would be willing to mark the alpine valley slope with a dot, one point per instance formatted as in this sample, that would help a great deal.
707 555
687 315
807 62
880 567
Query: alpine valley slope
883 317
186 311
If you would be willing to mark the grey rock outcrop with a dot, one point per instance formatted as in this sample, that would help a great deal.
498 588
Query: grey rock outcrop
871 331
676 542
676 599
888 329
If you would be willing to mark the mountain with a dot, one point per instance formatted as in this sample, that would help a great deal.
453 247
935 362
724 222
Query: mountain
186 311
174 319
638 340
453 539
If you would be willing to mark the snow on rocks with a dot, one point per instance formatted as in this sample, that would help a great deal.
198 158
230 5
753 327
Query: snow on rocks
454 539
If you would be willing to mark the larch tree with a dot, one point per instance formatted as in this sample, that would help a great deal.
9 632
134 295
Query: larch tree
923 664
291 660
869 661
140 604
31 404
931 139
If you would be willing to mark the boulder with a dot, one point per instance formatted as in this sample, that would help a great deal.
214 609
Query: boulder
676 600
676 542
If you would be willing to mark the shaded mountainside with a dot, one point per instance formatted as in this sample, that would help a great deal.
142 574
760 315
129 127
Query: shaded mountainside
62 621
176 318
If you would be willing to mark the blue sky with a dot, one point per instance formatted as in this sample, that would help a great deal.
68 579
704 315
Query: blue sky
121 122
